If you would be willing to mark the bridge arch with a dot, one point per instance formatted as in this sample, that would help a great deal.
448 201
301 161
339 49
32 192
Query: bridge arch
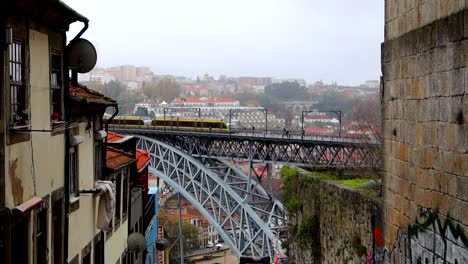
242 212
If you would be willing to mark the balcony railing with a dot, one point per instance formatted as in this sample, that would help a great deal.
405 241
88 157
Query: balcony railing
149 211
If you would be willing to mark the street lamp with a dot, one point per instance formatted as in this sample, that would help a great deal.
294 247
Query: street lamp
338 113
164 121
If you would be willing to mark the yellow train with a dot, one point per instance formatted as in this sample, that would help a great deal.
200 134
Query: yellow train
192 124
170 123
131 121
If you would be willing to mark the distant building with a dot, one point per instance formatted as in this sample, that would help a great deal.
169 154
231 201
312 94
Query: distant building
302 82
204 101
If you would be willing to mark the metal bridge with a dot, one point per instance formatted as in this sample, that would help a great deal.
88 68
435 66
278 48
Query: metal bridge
244 214
267 148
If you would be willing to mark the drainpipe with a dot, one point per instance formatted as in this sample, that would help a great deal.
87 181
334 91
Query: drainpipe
74 78
66 89
116 108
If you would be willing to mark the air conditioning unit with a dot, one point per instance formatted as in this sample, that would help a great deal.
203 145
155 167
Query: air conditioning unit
76 140
101 134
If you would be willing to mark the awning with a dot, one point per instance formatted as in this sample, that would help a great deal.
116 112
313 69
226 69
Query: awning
29 205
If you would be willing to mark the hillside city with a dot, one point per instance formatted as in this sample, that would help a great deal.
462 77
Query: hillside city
126 165
140 92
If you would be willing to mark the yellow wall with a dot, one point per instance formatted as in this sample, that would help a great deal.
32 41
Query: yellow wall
82 225
116 244
41 172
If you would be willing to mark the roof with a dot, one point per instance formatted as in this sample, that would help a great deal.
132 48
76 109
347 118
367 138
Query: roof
316 117
81 93
116 159
204 100
317 130
142 156
143 159
53 12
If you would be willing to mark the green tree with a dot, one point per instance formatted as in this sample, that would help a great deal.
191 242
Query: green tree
166 89
287 91
332 100
189 231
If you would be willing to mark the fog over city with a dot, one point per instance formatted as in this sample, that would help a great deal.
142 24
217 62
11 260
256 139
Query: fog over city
336 40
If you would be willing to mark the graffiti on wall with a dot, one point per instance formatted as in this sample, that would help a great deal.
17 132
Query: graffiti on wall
430 241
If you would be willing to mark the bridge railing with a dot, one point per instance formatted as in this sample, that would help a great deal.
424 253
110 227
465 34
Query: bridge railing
149 211
271 133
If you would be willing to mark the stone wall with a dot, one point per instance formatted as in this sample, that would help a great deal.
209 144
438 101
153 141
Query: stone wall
330 222
425 112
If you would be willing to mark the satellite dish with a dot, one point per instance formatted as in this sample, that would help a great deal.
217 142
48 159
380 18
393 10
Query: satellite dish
136 242
81 55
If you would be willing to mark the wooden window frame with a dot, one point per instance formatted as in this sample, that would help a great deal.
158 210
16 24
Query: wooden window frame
56 87
98 160
73 171
19 113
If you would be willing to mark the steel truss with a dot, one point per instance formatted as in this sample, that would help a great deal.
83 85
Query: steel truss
269 150
242 212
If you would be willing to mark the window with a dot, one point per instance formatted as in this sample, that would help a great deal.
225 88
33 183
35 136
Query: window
99 251
18 114
20 241
57 222
41 237
125 179
98 163
118 198
56 83
73 170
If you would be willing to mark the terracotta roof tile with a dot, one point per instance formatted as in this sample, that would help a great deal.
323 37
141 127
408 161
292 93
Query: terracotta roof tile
142 156
81 93
116 158
143 159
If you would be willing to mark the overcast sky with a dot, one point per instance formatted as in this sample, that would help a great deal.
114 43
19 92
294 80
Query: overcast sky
331 40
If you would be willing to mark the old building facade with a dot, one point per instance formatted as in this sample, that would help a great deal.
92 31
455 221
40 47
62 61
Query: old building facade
53 148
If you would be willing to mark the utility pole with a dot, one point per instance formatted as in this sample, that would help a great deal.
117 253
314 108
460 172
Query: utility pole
181 234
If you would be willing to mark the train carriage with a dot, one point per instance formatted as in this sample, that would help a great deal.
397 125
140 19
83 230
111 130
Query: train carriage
194 124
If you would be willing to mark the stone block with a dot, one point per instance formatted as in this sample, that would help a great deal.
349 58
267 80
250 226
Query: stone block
419 177
450 139
457 86
456 26
444 179
435 85
462 192
445 109
446 83
465 213
456 111
404 152
462 137
465 19
430 157
458 166
465 73
463 59
442 31
443 204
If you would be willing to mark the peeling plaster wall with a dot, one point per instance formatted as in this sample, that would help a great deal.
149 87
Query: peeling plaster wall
36 167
